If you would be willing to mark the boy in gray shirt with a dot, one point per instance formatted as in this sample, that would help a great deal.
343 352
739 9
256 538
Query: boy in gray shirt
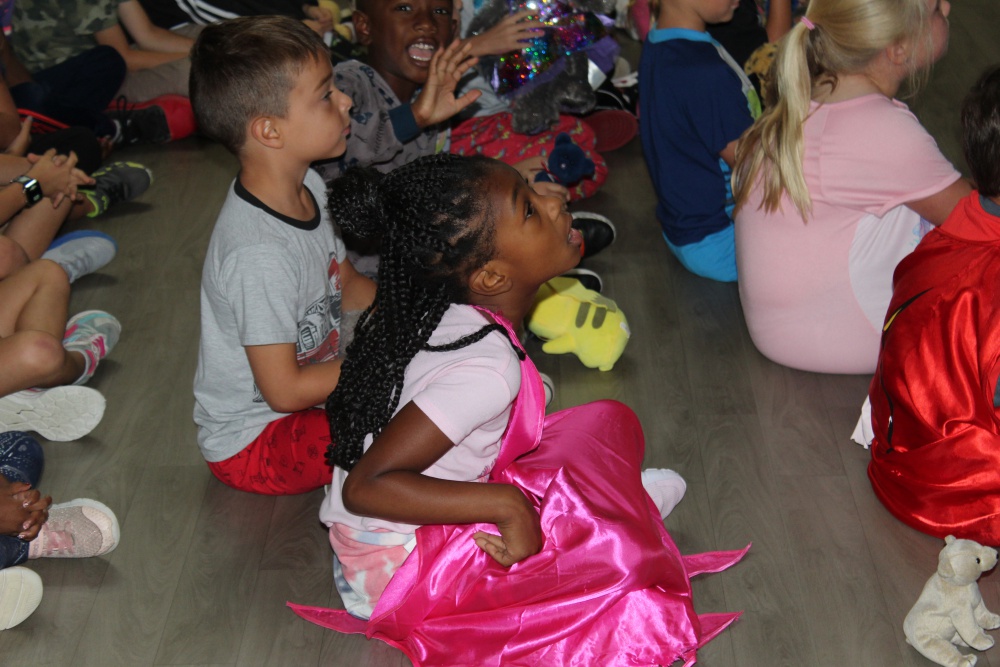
276 278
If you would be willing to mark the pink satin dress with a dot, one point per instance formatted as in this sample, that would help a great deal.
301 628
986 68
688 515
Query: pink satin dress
608 588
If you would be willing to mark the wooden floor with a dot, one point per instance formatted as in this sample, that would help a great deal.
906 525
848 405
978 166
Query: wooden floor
203 572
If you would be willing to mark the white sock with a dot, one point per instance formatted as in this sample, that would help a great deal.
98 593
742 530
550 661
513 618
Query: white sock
665 487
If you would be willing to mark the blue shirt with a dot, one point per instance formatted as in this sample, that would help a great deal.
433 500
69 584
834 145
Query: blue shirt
694 102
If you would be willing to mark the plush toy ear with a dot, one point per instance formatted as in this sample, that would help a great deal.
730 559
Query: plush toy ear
563 138
950 539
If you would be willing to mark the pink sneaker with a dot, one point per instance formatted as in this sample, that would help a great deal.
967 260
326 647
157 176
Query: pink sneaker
80 528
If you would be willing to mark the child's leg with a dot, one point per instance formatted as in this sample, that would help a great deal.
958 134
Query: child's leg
34 228
12 257
32 324
288 457
21 460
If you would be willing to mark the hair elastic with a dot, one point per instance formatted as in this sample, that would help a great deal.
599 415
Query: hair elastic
808 24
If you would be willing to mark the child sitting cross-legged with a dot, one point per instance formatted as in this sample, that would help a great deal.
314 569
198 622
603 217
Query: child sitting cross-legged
276 279
455 502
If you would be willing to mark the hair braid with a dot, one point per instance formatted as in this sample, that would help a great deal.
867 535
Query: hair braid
434 230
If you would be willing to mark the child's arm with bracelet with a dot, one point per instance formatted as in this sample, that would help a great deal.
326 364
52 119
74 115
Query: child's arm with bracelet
436 102
387 482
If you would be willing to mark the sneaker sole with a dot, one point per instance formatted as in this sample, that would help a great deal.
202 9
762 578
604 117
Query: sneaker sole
59 414
20 595
116 533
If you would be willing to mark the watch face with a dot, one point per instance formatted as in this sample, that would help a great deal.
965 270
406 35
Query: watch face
32 190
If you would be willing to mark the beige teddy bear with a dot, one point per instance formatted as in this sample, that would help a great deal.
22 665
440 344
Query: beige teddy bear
950 610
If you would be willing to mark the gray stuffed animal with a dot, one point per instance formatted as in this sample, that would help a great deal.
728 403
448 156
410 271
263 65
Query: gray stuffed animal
570 91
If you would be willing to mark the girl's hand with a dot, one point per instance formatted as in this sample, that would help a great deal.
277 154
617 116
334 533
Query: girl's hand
437 101
57 175
520 536
23 510
38 507
508 35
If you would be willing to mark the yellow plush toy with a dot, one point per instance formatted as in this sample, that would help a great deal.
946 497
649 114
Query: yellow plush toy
572 318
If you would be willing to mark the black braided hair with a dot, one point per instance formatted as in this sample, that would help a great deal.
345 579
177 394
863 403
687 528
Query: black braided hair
435 228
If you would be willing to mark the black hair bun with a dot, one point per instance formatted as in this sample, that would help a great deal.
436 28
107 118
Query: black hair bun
355 203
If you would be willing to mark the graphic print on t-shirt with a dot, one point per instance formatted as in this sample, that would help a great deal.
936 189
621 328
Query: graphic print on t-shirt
319 329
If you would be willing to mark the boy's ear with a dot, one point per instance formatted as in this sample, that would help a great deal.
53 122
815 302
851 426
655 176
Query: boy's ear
489 280
362 27
264 130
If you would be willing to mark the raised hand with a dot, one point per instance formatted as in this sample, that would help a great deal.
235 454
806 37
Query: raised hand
437 101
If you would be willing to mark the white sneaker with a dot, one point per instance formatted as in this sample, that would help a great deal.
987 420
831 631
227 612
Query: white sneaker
60 413
665 487
80 528
20 595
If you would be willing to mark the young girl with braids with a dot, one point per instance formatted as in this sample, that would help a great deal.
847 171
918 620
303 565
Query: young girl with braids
467 527
832 181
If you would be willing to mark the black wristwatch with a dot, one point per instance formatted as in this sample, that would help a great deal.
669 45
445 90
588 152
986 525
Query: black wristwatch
32 190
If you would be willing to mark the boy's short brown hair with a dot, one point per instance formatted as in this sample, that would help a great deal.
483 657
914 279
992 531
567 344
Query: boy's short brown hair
981 132
245 68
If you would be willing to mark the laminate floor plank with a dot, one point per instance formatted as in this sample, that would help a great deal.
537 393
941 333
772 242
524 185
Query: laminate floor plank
141 583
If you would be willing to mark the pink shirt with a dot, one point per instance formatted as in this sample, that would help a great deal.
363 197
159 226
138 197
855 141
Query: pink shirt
814 293
467 393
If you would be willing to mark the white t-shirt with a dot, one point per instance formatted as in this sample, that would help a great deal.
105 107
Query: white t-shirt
815 293
467 393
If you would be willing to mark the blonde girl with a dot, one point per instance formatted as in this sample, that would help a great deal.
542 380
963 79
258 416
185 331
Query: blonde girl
835 182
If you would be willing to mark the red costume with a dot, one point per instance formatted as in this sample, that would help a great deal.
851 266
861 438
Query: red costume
936 454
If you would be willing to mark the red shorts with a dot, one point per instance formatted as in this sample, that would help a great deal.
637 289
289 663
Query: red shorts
288 457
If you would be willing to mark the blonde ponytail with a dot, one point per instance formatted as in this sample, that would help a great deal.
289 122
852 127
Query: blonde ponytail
845 38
